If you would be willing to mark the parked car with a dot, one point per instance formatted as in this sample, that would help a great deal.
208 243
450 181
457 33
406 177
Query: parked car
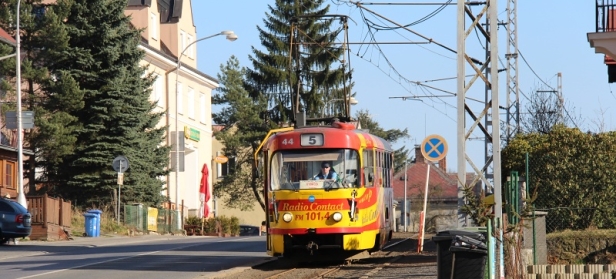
15 220
246 230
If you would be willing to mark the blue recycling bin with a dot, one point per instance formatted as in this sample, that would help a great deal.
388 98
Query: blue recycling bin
98 220
90 225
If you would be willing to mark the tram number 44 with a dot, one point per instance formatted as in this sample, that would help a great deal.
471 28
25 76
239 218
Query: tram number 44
287 142
312 216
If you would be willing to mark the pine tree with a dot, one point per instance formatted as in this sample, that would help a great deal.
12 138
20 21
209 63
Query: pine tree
243 129
316 74
46 90
117 117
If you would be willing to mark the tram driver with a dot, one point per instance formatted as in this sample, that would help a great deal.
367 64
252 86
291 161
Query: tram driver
326 173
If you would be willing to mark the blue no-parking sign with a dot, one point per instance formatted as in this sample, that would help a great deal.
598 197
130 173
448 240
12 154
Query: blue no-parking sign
434 148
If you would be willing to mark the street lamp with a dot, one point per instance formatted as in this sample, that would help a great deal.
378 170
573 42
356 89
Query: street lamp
230 35
351 100
21 197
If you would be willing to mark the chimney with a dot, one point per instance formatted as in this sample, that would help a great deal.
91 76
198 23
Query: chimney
419 158
443 164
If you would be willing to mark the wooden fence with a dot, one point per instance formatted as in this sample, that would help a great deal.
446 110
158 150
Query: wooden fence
51 218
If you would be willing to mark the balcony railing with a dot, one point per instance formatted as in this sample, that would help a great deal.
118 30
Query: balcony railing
606 16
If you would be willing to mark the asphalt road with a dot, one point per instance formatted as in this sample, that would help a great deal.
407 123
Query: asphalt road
176 257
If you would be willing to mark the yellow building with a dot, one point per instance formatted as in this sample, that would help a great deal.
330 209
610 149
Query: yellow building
184 93
252 217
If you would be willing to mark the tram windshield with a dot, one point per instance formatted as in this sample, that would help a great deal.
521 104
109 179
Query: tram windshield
302 169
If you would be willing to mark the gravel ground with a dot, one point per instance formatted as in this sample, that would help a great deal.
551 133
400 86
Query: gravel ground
399 261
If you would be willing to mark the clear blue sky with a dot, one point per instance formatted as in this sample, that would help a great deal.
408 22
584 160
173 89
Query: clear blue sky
551 36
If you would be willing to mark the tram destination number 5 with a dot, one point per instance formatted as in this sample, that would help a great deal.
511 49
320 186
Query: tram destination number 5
311 140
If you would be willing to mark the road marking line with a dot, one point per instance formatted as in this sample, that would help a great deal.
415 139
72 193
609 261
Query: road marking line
111 260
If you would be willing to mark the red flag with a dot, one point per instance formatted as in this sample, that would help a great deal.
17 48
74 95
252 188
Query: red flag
204 192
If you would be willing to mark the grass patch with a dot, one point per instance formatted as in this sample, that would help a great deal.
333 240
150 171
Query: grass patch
109 224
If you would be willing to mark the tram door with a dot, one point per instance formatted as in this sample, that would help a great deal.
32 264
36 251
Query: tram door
266 167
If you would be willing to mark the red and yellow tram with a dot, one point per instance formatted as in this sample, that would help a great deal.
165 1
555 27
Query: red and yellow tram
342 216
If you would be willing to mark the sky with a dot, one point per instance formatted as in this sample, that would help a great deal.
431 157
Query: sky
552 39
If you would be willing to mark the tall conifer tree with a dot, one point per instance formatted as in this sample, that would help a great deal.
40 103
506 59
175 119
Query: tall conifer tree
117 118
315 74
243 131
46 90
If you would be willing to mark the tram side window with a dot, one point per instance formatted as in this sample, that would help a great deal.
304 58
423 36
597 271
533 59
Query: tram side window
387 171
368 166
351 176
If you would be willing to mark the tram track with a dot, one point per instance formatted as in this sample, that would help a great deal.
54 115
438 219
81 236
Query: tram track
276 276
372 267
344 268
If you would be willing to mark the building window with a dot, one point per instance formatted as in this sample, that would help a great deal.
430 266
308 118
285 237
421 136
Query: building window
191 49
157 92
153 26
182 42
191 103
180 103
202 108
9 175
227 168
159 86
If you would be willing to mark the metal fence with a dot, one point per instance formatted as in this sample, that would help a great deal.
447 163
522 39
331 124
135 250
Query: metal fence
147 219
573 198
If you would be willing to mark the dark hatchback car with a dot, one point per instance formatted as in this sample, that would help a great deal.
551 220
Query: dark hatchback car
246 230
15 220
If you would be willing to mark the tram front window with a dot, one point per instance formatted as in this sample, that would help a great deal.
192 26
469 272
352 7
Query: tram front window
297 170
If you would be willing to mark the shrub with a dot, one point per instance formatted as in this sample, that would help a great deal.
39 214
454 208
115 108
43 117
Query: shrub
193 221
225 224
210 225
235 226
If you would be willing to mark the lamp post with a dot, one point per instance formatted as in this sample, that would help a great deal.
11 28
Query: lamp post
21 197
351 100
230 35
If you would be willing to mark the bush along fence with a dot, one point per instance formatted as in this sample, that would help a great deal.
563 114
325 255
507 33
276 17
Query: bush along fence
577 198
148 219
575 195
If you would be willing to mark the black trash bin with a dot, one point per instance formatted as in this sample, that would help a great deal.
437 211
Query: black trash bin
462 253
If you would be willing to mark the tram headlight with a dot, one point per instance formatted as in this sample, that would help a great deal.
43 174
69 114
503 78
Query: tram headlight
287 217
337 216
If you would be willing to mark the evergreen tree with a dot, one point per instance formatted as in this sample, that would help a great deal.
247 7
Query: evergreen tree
244 129
117 118
315 75
400 155
48 91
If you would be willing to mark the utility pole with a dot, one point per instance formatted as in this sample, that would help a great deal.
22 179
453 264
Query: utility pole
513 92
561 100
405 198
487 72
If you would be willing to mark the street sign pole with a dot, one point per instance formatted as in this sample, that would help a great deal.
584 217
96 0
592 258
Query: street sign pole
119 194
120 164
434 149
405 198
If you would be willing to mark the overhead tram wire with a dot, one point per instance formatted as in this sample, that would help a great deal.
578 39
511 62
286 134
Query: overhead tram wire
359 5
470 3
370 36
430 15
373 39
390 64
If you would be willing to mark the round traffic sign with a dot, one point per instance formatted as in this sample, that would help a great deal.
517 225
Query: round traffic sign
120 164
434 148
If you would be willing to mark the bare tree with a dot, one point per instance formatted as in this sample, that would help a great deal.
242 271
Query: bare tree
545 109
